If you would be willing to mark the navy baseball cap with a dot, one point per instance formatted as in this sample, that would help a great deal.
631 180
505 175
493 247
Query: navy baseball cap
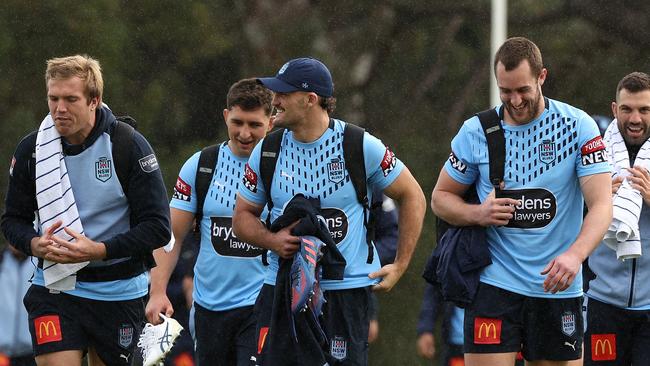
301 74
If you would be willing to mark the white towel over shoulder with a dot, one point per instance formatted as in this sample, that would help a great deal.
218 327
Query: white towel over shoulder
623 233
55 202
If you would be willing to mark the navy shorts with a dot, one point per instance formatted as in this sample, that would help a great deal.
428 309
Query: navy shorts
500 321
345 321
62 322
224 337
616 336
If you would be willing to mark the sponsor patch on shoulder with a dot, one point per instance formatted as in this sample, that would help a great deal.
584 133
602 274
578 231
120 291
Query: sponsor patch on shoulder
149 163
182 190
388 162
457 163
250 179
593 151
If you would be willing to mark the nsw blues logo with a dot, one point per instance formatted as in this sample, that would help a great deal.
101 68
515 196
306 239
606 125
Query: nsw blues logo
339 348
336 170
547 151
103 171
125 335
568 323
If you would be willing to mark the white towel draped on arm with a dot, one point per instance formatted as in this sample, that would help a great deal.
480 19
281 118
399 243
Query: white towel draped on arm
623 233
55 202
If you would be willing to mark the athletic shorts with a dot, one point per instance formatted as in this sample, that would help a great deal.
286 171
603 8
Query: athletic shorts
345 321
62 322
500 321
616 336
224 337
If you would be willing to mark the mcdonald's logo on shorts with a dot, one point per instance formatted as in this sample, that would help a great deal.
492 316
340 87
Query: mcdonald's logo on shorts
603 347
487 331
48 329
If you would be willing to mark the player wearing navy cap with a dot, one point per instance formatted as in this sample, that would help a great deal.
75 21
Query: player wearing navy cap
311 162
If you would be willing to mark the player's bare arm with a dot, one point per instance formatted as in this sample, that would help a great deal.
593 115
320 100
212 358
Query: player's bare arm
248 227
406 191
563 269
447 203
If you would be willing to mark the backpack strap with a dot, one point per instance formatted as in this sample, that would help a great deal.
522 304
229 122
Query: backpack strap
496 142
122 139
268 160
355 163
204 172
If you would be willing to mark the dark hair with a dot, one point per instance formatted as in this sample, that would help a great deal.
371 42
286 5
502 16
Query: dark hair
634 82
249 95
327 103
517 49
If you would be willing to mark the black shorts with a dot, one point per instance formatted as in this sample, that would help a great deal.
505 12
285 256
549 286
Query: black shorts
62 322
346 318
616 336
224 337
345 321
500 321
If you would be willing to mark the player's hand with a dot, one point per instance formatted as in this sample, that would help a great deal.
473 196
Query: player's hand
426 345
40 244
616 184
496 211
285 244
389 275
640 180
158 304
82 250
561 272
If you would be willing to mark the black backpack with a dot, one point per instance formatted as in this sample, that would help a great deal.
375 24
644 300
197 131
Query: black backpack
354 164
122 139
490 121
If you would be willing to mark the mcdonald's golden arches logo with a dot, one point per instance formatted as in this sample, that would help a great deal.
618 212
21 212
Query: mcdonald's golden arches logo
487 331
603 347
48 329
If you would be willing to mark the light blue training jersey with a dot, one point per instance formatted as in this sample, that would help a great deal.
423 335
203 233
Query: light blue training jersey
228 273
544 160
317 170
103 216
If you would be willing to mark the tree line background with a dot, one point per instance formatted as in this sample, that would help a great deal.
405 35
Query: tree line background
410 71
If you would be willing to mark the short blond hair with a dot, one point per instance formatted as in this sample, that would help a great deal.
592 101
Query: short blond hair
82 66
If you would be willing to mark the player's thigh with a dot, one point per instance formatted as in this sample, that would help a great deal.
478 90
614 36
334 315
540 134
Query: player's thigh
493 323
553 329
609 335
246 338
114 327
61 358
492 359
262 311
346 320
54 325
93 358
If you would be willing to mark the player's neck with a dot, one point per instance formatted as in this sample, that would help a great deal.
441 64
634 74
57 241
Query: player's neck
312 128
